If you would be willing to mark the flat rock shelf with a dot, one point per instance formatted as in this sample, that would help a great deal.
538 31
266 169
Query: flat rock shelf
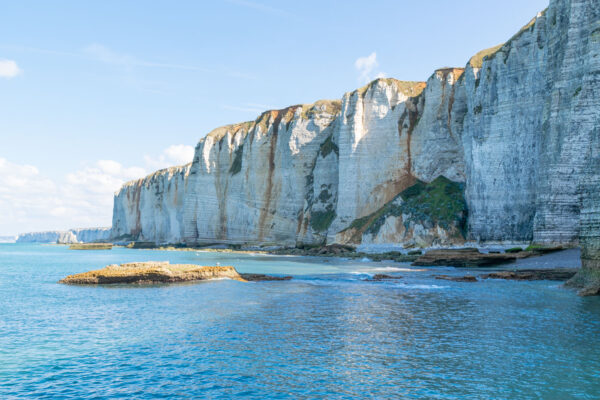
152 272
91 246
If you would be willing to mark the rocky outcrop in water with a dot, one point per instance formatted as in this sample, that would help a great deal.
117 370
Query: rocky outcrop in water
151 272
79 235
557 274
462 258
495 151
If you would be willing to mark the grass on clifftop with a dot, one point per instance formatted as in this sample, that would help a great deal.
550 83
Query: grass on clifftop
477 60
408 88
440 202
333 107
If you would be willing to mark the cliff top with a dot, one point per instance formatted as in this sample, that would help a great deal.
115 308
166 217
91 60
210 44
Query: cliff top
220 132
169 170
477 60
408 88
330 107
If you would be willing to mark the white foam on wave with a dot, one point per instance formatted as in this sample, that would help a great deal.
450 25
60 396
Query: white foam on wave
396 269
371 271
421 286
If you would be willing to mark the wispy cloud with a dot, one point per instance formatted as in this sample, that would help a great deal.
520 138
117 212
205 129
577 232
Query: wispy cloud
249 107
259 6
9 69
366 67
108 56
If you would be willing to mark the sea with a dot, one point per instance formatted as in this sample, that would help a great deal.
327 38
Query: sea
329 333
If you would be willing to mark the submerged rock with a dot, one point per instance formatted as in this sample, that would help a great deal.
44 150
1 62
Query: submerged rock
263 277
382 277
151 272
469 257
558 274
466 278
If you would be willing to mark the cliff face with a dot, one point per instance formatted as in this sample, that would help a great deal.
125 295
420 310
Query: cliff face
84 235
152 208
258 182
531 107
508 139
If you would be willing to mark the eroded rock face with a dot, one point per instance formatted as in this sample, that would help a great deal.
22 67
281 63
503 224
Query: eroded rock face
514 126
422 215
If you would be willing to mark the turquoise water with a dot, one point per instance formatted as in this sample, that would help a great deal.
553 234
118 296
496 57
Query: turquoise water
325 334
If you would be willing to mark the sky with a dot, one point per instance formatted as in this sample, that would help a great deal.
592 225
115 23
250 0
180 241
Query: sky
93 94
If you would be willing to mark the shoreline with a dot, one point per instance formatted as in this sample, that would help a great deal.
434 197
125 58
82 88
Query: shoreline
488 255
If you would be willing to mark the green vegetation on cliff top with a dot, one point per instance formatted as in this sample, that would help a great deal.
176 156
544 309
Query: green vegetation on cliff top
477 60
408 88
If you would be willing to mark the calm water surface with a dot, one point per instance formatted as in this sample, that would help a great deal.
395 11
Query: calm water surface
325 334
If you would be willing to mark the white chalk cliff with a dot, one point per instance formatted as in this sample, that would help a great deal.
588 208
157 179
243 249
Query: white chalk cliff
493 151
78 235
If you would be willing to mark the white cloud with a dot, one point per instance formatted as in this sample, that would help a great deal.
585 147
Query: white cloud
30 201
9 69
366 67
177 154
106 176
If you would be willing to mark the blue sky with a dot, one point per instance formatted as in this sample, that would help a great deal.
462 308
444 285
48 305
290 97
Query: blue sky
95 93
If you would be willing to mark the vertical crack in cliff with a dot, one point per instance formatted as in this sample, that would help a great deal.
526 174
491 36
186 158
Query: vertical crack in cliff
221 192
138 212
265 211
413 120
407 167
450 106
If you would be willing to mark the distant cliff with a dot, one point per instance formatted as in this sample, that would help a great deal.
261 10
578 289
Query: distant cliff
84 235
495 151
